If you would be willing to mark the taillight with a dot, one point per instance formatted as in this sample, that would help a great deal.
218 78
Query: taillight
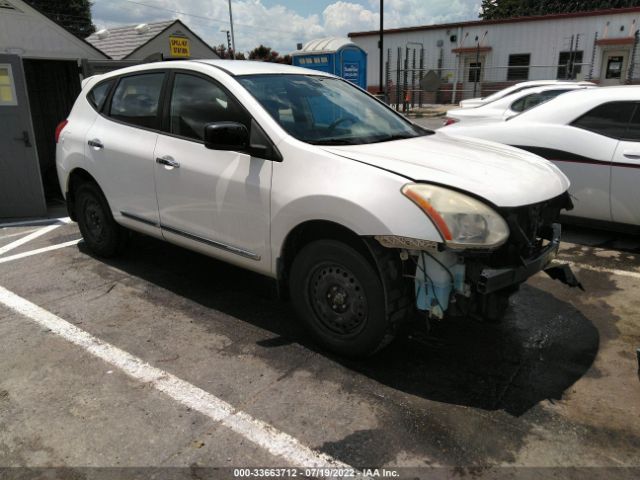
59 128
449 121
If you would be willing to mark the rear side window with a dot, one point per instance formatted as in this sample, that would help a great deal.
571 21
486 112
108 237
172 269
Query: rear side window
136 100
196 101
98 94
525 103
611 119
530 101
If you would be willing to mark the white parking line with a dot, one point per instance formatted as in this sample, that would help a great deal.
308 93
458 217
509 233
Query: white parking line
38 221
28 238
17 234
260 433
18 256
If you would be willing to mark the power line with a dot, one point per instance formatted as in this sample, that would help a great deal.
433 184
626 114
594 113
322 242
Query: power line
204 17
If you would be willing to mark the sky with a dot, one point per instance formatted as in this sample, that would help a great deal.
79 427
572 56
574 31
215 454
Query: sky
281 24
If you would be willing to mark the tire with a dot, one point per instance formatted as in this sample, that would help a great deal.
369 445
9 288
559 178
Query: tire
102 235
340 297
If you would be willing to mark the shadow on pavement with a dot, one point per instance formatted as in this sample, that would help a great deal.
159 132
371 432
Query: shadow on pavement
542 348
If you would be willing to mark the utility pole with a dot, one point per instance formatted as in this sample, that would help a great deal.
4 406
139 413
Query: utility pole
381 45
229 47
233 38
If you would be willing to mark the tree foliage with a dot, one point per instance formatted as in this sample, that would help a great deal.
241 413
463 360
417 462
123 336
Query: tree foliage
74 15
266 54
495 9
224 52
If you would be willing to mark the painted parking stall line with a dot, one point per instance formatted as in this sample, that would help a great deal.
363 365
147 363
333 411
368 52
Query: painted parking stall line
38 251
40 221
27 238
262 434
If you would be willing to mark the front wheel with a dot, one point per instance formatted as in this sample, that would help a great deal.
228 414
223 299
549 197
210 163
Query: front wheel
100 232
340 297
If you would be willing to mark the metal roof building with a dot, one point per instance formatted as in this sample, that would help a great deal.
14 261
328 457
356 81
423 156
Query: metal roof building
601 46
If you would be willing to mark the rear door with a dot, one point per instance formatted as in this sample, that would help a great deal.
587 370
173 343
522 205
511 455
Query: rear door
21 192
120 146
625 174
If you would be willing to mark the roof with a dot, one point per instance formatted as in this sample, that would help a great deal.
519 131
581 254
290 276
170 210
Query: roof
23 7
121 41
248 67
324 45
231 67
481 23
563 109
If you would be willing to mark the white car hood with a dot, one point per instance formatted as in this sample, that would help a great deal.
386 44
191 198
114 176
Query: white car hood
505 176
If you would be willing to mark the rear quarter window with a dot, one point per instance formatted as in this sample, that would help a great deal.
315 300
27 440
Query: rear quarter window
98 94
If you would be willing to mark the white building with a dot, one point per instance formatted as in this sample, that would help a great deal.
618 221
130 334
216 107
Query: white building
484 56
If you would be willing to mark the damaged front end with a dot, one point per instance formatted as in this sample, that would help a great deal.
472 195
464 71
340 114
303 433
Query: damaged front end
457 280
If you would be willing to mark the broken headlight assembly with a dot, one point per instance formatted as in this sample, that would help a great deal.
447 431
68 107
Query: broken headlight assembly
463 221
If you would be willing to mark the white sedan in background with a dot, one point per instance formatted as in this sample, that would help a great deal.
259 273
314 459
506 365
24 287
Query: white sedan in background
518 87
509 106
593 136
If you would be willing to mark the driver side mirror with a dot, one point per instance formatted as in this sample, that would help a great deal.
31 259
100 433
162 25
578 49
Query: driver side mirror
226 136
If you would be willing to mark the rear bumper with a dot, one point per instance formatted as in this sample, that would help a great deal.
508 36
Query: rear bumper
492 280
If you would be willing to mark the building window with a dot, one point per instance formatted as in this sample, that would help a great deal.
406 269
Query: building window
7 87
519 66
569 65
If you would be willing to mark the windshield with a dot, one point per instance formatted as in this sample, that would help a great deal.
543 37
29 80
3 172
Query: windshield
327 111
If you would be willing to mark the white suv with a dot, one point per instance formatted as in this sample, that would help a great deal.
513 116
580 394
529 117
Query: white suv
362 217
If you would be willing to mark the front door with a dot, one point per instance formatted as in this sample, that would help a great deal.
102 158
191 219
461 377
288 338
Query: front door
614 67
214 201
473 75
21 192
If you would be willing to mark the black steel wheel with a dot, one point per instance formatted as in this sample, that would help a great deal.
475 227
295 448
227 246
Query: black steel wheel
100 232
340 297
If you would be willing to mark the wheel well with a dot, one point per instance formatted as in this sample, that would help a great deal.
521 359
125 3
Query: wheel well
77 177
308 232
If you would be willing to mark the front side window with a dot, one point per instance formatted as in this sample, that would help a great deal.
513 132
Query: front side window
196 102
136 100
327 111
611 120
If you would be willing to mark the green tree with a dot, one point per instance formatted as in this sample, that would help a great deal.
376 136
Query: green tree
495 9
267 54
74 15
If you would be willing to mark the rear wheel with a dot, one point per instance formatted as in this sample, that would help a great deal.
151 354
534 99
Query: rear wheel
100 232
340 297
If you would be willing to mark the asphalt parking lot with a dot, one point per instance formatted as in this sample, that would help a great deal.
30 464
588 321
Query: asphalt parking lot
165 358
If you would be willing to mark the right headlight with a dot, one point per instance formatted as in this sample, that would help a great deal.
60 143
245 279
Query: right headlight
463 221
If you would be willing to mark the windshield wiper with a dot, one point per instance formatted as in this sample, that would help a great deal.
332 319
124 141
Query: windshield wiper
333 141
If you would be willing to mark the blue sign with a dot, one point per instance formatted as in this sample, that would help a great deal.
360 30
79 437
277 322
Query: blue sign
351 72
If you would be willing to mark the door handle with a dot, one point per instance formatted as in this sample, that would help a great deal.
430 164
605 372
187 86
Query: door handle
95 143
167 161
24 138
632 155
